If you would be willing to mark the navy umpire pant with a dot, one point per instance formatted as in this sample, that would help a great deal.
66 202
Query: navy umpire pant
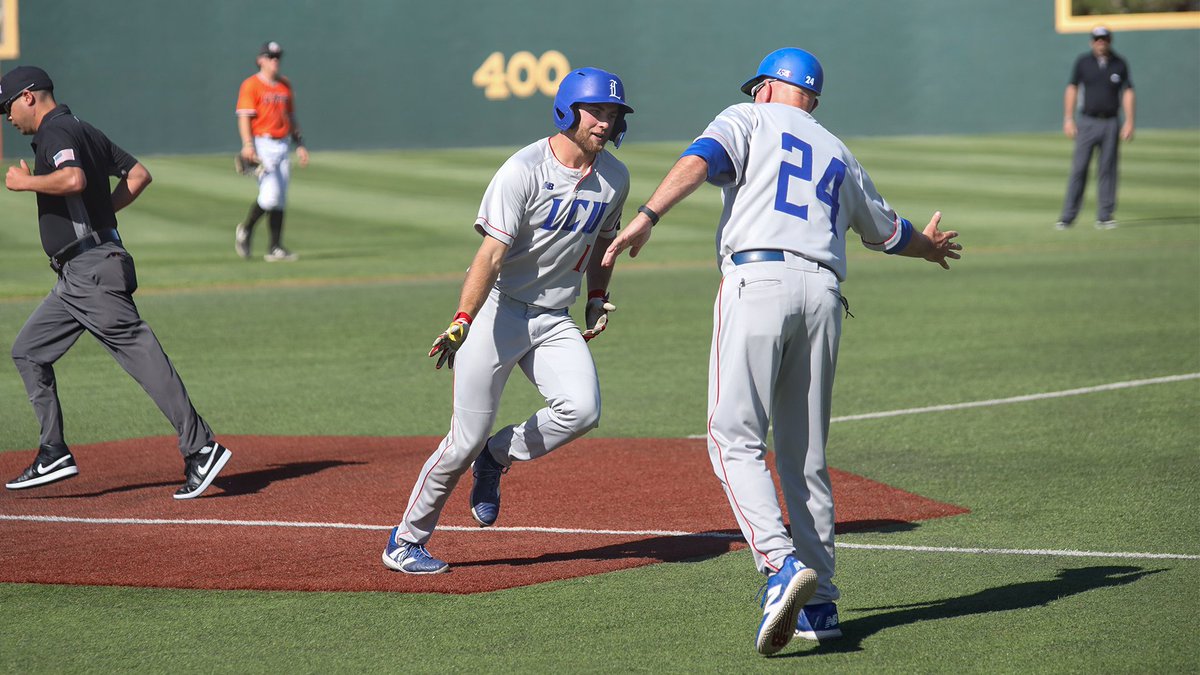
1093 132
95 293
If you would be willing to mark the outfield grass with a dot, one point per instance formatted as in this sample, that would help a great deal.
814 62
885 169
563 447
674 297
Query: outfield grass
335 345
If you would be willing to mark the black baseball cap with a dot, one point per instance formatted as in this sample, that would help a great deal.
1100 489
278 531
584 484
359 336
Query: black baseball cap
23 78
271 48
1101 33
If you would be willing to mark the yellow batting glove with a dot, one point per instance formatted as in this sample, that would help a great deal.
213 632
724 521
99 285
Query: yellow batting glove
447 344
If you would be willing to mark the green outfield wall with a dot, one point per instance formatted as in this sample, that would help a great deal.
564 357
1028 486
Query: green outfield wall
161 76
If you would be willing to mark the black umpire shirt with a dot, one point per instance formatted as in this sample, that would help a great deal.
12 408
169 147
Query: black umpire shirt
63 140
1102 85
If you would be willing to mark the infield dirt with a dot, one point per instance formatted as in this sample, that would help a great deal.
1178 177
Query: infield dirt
313 513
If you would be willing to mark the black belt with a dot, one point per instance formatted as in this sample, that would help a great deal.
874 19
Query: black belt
768 255
91 241
1100 116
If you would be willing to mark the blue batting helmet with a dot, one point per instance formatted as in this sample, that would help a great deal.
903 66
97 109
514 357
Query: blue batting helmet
590 85
794 66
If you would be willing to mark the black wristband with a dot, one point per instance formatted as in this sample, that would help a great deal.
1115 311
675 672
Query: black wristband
649 213
298 139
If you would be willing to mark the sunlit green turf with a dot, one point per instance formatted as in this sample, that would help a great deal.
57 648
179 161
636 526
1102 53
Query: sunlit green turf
335 345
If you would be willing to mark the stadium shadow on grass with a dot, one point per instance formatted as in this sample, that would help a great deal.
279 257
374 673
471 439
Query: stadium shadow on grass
1026 595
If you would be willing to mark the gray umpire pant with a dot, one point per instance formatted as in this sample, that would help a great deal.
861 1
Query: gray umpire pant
1090 133
95 293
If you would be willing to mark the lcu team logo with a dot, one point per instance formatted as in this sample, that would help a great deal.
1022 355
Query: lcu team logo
784 73
612 89
569 222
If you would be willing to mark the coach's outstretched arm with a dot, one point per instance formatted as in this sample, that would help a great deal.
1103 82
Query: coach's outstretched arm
682 180
933 244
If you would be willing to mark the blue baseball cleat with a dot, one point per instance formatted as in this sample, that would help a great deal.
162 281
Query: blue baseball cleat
485 494
784 596
411 558
818 622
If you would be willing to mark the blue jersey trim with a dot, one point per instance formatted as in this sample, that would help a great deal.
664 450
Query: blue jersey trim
720 166
906 230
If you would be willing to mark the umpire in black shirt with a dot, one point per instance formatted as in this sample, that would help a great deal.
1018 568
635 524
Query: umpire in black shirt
77 217
1107 90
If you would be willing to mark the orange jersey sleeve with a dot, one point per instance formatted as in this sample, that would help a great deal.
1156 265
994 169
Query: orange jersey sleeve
269 106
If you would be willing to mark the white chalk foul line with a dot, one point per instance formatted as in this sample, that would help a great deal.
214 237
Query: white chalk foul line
1012 399
1019 399
564 530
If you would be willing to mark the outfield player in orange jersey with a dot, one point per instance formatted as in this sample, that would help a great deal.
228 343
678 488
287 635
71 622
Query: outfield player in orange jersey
266 115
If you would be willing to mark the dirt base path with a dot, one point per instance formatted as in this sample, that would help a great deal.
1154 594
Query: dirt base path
313 513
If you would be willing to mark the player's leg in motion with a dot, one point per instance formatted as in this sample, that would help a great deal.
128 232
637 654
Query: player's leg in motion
46 336
283 176
803 395
272 191
561 367
98 293
749 318
497 340
757 321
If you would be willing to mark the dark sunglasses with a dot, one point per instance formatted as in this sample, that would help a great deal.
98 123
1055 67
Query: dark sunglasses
6 108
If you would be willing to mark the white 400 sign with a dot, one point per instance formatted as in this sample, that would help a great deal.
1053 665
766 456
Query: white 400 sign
520 75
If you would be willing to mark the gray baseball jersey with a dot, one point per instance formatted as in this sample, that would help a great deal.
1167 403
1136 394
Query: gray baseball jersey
797 188
794 193
550 217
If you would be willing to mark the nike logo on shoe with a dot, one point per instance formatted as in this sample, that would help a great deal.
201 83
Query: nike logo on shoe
203 470
43 470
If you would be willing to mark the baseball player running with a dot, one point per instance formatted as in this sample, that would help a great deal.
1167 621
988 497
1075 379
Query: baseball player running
791 192
546 219
266 116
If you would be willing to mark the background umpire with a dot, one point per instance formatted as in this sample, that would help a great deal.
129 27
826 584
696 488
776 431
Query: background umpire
96 279
1107 90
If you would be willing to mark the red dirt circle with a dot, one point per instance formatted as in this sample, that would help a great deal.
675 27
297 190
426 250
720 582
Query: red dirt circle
313 514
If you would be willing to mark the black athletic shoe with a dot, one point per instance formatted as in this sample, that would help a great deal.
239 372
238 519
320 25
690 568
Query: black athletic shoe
51 465
201 468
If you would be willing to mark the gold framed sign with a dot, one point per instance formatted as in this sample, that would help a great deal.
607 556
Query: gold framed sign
1081 16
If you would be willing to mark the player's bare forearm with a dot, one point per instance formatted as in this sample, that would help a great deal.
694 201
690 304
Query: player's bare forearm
689 173
1129 106
481 277
598 276
682 180
131 186
61 183
1069 99
247 150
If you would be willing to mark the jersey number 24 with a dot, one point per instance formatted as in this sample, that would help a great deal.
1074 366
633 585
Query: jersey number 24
827 187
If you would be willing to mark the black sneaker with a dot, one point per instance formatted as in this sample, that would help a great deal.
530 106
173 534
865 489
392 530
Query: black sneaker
201 468
52 464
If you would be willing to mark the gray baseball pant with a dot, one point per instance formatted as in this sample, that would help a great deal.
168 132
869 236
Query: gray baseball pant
777 326
95 293
1090 133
